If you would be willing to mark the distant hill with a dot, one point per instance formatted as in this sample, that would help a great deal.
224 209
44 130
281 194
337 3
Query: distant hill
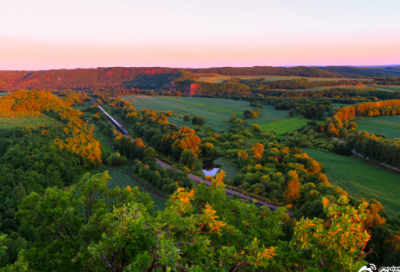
350 71
76 78
156 77
269 70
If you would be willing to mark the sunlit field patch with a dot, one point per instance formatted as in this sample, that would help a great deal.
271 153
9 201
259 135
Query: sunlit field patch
216 111
361 179
389 125
221 78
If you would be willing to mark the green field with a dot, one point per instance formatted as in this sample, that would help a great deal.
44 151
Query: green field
389 125
386 88
228 165
220 78
6 123
216 111
286 125
121 178
3 94
361 179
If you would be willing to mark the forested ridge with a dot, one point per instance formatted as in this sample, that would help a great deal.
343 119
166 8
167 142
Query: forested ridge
37 157
157 77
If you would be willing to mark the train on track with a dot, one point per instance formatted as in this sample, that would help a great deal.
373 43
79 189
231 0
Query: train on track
115 123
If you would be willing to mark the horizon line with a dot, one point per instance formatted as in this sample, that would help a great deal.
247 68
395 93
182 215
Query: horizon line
283 66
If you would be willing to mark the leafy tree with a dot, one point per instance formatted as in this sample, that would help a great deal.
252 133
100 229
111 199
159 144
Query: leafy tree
337 243
293 188
197 120
186 118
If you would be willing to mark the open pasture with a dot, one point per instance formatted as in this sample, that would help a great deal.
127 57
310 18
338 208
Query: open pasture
389 125
216 111
286 125
119 177
386 88
361 179
10 123
221 78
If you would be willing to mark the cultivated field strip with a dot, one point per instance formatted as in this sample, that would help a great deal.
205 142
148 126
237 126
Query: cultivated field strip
200 180
124 178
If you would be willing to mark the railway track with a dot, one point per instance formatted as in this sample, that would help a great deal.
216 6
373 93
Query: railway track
192 177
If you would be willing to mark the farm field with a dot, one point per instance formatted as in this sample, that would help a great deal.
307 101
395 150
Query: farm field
119 177
389 125
361 179
220 78
286 125
7 123
214 110
386 88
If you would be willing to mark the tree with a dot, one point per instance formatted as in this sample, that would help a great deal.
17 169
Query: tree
291 113
117 230
248 114
257 150
242 154
197 120
256 127
186 118
337 243
320 113
149 154
292 191
68 222
188 157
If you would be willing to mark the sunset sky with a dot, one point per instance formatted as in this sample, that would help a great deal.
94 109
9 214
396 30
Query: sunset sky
48 34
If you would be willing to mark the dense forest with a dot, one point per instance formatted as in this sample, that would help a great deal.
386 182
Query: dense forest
52 154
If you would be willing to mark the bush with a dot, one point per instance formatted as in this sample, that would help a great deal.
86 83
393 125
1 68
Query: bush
197 120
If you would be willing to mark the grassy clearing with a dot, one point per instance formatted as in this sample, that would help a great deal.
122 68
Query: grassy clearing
286 125
216 111
121 178
361 179
386 88
7 123
228 165
221 78
389 125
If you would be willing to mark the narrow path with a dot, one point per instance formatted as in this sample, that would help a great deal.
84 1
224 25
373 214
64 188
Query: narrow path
193 177
360 155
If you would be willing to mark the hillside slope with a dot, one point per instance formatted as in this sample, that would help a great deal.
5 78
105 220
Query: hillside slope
76 78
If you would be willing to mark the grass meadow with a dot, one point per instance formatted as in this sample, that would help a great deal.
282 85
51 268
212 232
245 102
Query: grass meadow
286 125
389 125
7 123
216 111
221 78
386 88
3 94
120 177
361 179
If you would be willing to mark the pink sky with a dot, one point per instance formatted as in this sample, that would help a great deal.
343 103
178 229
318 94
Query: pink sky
81 34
